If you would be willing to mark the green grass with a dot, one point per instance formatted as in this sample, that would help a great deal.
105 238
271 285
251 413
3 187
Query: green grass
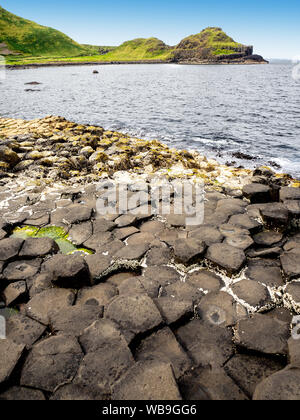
26 37
26 42
136 50
223 52
56 233
139 49
213 40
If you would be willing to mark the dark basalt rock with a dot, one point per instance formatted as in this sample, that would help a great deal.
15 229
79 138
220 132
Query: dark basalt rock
220 309
52 363
168 236
290 262
49 301
208 234
39 283
257 193
15 292
270 276
21 270
186 250
149 380
9 248
153 226
206 384
229 230
293 207
38 247
73 392
69 271
293 290
176 220
38 219
98 295
173 309
227 257
74 320
19 393
106 367
269 238
97 265
162 346
98 240
263 334
10 355
245 222
24 330
110 249
288 193
182 291
248 371
207 345
132 286
134 314
102 336
125 220
140 238
132 252
80 233
124 233
117 279
162 275
158 256
205 280
281 314
294 352
242 242
72 214
241 155
231 206
275 215
283 386
263 171
293 244
265 252
251 292
103 225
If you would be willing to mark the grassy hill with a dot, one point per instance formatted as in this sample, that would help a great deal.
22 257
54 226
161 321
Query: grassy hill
18 35
25 42
139 49
209 43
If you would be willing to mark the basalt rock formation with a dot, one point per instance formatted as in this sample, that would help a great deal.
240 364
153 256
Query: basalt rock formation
158 308
212 45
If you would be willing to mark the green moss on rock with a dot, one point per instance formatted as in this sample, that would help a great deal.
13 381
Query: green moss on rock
58 234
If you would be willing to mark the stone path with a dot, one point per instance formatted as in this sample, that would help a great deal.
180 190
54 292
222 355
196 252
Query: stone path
158 310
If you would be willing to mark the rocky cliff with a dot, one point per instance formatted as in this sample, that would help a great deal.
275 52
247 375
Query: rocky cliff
212 45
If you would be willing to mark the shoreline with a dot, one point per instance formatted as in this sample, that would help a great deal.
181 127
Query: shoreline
139 62
123 146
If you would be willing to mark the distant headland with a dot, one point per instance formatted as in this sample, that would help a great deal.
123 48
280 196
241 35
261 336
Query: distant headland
26 43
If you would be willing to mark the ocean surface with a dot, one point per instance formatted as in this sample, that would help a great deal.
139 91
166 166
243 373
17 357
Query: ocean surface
216 110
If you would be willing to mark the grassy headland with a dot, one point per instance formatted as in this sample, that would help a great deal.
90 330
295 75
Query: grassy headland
24 42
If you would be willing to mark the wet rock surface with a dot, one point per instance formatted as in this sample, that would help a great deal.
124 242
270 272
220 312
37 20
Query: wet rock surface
146 306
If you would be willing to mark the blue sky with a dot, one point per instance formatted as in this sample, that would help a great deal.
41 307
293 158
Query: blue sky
271 26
